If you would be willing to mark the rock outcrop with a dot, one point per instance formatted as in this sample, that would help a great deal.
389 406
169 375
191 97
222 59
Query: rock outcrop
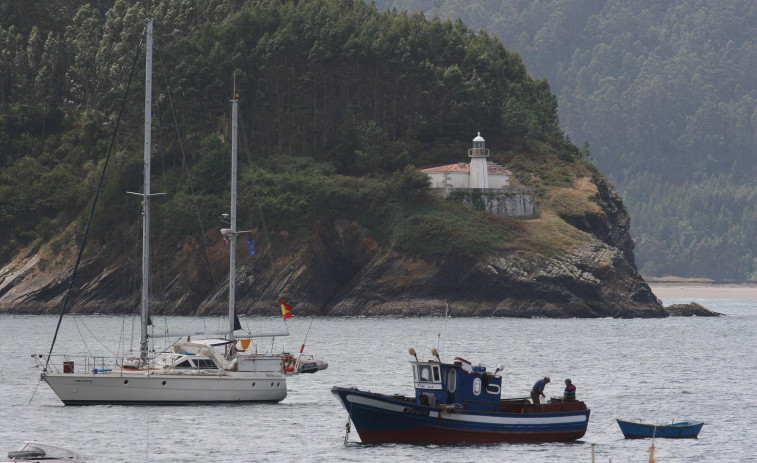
692 309
340 270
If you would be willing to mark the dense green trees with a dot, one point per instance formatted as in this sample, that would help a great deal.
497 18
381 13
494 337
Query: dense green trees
665 93
336 100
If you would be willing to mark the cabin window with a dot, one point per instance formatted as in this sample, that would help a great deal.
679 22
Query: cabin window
186 364
477 386
451 380
425 372
437 374
492 389
205 364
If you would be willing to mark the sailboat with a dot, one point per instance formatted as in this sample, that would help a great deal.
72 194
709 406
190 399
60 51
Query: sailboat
190 372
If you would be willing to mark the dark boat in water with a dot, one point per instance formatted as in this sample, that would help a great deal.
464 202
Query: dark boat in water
681 430
458 402
37 452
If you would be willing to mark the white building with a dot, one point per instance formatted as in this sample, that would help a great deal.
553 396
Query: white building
478 174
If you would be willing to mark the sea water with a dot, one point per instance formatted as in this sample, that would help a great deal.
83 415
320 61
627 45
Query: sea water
657 370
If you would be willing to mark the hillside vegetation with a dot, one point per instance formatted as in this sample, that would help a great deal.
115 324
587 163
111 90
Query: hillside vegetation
338 103
665 94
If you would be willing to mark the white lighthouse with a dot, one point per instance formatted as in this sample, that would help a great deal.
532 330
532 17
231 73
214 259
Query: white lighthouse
479 172
467 181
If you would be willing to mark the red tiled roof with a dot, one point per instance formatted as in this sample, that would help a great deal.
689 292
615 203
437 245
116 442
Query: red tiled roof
449 168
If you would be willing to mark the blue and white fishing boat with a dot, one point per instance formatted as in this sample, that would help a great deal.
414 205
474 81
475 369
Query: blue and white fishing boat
680 430
459 402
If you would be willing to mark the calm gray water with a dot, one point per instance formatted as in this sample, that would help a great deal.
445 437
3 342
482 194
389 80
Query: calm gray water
671 369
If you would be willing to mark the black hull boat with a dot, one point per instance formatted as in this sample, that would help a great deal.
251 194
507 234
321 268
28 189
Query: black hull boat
456 403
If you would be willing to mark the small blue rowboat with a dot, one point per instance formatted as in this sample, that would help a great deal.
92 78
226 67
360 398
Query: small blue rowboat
682 430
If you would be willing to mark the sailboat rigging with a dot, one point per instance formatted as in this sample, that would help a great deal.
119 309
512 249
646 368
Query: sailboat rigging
189 372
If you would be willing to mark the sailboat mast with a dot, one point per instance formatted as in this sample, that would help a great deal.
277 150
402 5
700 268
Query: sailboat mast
143 346
233 237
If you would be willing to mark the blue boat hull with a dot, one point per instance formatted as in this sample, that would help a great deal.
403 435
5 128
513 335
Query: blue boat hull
384 418
683 430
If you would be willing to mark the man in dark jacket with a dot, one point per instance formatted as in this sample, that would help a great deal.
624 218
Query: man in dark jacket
538 389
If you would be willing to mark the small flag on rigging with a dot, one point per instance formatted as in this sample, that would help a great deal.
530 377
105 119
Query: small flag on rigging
286 309
251 246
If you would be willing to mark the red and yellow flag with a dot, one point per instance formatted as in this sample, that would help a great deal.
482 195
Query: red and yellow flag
286 309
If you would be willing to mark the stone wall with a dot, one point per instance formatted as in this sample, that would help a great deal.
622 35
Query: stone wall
507 202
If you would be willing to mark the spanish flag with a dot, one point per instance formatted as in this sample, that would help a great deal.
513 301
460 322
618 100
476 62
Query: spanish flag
286 309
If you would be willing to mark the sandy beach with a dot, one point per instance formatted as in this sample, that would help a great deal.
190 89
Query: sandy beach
695 291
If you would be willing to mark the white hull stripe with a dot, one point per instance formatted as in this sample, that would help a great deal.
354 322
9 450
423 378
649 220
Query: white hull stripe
503 420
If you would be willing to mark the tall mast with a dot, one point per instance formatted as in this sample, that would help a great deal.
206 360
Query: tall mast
233 237
143 346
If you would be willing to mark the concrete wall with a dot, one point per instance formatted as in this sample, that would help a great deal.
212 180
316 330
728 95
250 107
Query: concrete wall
499 180
460 180
448 179
506 202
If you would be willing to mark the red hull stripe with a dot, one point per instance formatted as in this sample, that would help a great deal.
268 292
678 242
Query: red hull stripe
439 435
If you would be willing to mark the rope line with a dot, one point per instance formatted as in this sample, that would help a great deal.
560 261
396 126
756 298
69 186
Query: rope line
598 432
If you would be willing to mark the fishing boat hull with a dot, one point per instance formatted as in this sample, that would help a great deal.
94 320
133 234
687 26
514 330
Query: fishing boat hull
682 430
384 418
141 388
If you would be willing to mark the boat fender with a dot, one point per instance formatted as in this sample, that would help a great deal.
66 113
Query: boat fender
289 362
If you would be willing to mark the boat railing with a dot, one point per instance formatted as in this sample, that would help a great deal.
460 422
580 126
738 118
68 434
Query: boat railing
83 363
513 405
552 407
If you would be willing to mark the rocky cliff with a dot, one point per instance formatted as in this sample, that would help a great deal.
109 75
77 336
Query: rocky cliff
341 270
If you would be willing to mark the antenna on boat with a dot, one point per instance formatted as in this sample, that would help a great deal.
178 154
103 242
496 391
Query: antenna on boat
439 335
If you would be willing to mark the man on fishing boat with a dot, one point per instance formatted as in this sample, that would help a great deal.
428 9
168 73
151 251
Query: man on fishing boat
538 389
570 392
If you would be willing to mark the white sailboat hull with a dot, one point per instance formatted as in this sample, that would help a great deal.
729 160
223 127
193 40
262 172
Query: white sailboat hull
135 388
